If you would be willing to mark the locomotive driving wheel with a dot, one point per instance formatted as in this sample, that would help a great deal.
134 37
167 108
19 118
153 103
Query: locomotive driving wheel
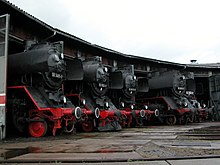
37 127
171 120
88 126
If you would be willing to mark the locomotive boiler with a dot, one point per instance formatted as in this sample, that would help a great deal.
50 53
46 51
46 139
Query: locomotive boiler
100 112
36 101
167 94
124 86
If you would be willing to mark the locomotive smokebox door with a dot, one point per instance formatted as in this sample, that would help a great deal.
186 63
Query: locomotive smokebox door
74 69
143 85
116 80
4 26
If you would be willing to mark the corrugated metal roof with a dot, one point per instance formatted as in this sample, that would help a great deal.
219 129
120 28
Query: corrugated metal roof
205 65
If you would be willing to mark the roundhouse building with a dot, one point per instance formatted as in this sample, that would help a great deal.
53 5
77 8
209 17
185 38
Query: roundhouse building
24 28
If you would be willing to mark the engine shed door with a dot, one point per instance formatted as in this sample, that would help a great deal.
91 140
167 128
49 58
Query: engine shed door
214 82
4 27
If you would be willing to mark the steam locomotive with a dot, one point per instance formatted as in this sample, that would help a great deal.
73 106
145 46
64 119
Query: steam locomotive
36 102
48 94
201 113
124 86
90 94
167 94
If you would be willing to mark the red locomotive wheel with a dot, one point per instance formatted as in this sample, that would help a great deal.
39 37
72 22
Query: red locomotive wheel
37 128
88 126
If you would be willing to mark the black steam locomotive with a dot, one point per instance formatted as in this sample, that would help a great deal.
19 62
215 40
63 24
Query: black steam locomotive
124 86
167 94
47 93
90 93
36 102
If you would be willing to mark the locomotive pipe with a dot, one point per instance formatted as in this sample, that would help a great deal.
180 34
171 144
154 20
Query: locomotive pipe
96 112
135 113
138 113
77 112
109 113
151 112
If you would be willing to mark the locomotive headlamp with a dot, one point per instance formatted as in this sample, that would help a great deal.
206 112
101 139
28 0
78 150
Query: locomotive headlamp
132 106
56 58
64 99
185 104
145 107
105 69
123 104
134 77
84 101
106 104
62 56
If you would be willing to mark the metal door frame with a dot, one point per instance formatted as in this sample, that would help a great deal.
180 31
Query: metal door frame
3 87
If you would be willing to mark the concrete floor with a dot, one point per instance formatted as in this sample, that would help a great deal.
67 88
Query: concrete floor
129 146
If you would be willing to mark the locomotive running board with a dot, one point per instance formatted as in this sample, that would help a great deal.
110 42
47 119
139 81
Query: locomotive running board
35 96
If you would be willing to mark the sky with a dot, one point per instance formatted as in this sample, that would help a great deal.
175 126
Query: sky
170 30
